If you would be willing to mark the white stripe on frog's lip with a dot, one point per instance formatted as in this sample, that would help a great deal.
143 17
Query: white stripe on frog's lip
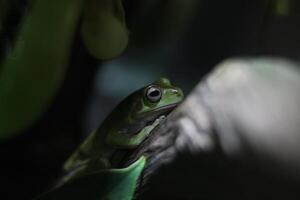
165 108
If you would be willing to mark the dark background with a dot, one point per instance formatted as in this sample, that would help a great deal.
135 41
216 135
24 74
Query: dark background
162 43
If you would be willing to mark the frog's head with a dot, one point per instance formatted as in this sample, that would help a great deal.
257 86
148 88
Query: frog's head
142 111
158 98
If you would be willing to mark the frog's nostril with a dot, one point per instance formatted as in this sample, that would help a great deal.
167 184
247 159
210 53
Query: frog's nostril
176 92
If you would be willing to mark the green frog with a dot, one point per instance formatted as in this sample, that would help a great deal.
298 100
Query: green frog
126 127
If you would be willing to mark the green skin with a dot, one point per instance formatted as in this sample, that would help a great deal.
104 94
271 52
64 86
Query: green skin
125 128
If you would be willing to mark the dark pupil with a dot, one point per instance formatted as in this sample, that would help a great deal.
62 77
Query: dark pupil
154 93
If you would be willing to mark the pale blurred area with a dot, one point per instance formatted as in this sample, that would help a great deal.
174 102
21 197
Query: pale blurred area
255 104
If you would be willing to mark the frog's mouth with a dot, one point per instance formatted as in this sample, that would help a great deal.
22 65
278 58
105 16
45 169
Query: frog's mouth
150 116
166 109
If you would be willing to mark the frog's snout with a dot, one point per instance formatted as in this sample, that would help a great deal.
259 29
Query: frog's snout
178 92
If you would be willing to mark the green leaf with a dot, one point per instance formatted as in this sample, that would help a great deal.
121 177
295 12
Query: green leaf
113 184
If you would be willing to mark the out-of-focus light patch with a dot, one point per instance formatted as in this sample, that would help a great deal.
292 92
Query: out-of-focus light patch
282 7
117 79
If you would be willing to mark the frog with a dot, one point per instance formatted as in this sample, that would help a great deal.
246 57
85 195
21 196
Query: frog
124 129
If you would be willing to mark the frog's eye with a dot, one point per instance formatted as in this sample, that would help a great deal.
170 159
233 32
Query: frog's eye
153 94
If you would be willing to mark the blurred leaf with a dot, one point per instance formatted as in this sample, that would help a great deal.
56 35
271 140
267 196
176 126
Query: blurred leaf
283 7
280 7
103 29
35 67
